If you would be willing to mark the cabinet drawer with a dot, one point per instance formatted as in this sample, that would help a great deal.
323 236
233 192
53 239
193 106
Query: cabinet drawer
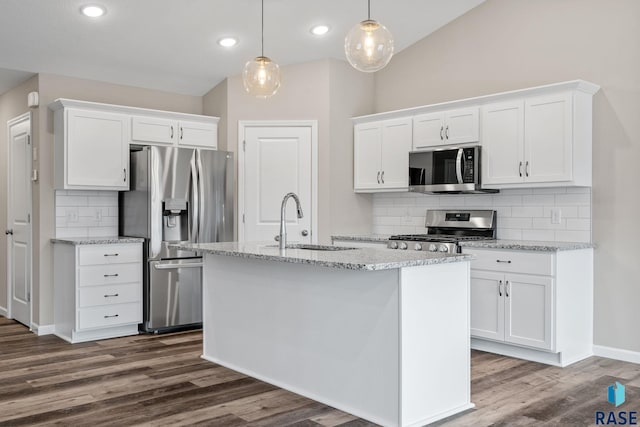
512 261
110 294
109 254
109 274
118 314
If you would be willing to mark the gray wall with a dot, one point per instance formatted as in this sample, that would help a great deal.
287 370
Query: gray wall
330 92
12 104
505 44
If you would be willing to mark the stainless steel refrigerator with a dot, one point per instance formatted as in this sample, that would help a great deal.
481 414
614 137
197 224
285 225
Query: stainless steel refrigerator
176 195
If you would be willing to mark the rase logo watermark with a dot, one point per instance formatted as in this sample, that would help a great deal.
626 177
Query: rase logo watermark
616 396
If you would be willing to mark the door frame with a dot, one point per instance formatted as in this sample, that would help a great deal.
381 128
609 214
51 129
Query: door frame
242 126
16 120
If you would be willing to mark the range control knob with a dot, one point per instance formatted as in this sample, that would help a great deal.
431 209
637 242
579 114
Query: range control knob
443 248
393 245
433 248
418 247
403 245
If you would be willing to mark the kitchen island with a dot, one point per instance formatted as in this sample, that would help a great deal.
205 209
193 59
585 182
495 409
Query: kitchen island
381 334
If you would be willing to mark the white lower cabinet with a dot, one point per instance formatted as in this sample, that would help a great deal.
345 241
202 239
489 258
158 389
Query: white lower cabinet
533 305
97 290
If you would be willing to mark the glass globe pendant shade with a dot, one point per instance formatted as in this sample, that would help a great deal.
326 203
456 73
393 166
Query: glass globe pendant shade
368 46
261 77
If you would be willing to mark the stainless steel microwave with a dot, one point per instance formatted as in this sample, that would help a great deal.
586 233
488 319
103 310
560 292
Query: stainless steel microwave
453 170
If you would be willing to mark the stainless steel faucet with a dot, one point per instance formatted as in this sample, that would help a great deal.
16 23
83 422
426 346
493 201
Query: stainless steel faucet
283 228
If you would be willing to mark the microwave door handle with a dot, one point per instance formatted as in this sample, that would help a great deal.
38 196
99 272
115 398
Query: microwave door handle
459 161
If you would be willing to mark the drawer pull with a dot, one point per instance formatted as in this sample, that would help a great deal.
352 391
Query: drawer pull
504 261
110 254
111 275
111 296
114 315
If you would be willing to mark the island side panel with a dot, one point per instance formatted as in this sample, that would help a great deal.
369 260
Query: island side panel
328 334
435 348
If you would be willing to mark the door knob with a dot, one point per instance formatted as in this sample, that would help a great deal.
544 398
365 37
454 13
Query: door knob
7 232
305 233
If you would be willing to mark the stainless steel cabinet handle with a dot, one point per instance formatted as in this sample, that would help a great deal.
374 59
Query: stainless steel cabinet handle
500 288
382 177
520 169
526 168
176 265
125 175
378 177
8 232
181 132
446 132
171 131
305 233
110 254
506 289
111 296
114 315
508 261
111 275
441 136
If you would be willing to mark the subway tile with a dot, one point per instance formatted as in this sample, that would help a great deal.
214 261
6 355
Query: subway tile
573 199
560 190
103 231
545 224
584 211
61 222
579 190
71 201
504 200
510 222
546 235
484 201
509 234
451 201
102 201
515 191
565 211
580 224
112 211
503 211
108 221
72 232
573 236
526 211
539 200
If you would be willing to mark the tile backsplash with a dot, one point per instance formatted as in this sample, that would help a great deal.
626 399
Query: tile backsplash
86 213
522 214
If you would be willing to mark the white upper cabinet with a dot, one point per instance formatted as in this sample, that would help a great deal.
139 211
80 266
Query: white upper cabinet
381 155
91 150
446 127
157 130
503 142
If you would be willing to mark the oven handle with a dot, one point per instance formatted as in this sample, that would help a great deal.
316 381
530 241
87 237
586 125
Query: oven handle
459 161
176 265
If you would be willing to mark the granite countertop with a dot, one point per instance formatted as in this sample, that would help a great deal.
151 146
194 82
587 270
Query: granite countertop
527 245
365 259
362 237
96 240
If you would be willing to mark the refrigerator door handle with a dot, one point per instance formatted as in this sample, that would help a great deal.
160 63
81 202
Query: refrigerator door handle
195 198
200 195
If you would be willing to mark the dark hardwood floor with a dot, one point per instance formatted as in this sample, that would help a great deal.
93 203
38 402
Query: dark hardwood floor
161 380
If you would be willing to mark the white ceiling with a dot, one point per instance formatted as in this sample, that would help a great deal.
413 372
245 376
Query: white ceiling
171 45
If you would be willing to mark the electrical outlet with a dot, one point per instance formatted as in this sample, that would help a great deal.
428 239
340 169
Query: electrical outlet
72 215
98 214
406 218
556 216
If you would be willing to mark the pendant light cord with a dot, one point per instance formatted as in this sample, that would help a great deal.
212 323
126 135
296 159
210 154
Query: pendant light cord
262 31
368 10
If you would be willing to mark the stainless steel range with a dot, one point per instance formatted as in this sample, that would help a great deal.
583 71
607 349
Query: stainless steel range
445 228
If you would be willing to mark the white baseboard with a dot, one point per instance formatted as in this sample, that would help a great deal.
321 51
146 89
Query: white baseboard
42 329
616 353
3 312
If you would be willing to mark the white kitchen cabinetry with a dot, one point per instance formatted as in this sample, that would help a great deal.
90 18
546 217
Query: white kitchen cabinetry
159 130
446 127
91 150
97 290
537 141
533 305
381 155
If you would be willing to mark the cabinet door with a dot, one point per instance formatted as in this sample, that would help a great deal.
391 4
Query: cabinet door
97 150
548 139
198 134
487 305
529 310
153 130
396 144
462 126
428 130
503 143
367 144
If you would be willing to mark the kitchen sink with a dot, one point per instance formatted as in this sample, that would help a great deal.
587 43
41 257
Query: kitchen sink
311 247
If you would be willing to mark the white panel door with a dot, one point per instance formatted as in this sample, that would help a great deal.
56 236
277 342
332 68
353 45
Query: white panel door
97 150
19 218
548 139
487 305
462 125
396 144
367 143
503 143
153 129
529 310
277 160
198 134
428 130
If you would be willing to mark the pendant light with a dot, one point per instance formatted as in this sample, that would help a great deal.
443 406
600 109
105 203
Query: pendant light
261 76
369 45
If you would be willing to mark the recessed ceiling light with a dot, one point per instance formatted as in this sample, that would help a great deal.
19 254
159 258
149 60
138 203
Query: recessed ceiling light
319 30
93 11
228 42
